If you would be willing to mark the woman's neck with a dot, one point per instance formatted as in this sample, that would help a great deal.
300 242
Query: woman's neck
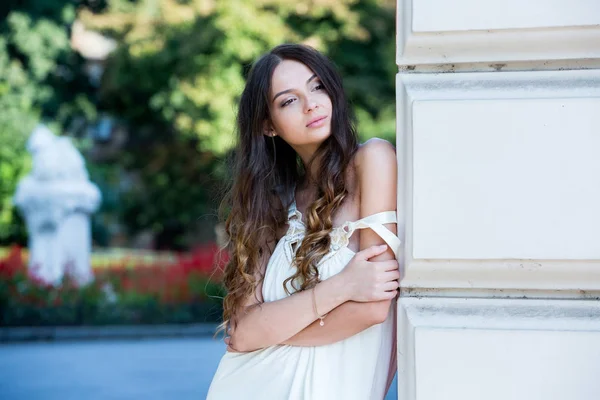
311 177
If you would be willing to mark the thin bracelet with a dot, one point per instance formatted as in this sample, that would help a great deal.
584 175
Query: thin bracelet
321 317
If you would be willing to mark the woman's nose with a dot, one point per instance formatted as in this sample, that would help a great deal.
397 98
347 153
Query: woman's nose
311 104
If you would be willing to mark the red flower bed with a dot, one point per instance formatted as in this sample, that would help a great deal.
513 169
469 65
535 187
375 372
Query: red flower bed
12 263
172 283
150 293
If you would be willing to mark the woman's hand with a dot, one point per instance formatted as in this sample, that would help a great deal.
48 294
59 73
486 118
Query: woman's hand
230 348
371 281
229 342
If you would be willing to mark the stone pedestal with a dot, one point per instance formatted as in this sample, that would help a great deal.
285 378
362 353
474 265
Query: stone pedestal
57 199
499 150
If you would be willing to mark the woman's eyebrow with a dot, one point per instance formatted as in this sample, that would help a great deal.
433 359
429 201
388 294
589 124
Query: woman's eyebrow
289 90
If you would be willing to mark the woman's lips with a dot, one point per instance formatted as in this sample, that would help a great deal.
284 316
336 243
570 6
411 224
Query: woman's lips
317 122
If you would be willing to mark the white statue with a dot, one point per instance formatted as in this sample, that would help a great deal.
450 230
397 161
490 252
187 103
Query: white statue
57 199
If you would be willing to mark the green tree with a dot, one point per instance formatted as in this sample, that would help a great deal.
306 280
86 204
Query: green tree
179 69
181 64
26 59
41 80
173 81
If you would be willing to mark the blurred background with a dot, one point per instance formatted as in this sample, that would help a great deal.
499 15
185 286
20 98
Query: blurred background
146 90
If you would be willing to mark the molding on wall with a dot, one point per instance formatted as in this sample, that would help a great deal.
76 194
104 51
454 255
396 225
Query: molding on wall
574 279
494 45
549 65
579 279
494 314
498 85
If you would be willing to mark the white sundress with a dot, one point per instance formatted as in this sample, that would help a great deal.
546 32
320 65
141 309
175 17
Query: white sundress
352 369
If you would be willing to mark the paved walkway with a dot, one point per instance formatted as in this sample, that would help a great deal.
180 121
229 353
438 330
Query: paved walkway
147 369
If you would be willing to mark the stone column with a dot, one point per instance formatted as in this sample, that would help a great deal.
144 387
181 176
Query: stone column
498 138
57 199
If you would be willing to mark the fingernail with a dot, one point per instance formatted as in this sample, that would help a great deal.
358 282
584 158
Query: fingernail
383 246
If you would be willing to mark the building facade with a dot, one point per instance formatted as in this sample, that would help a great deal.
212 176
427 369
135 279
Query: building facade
498 138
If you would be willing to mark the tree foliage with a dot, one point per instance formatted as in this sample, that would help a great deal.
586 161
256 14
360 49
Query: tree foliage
181 64
39 79
180 68
173 82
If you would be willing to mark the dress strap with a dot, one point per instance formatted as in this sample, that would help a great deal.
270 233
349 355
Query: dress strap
375 222
292 211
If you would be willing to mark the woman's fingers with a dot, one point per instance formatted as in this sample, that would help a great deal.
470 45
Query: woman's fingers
391 276
388 265
371 252
391 285
368 277
389 295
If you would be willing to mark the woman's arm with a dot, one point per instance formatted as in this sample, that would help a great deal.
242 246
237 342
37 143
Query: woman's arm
266 324
377 173
270 323
346 320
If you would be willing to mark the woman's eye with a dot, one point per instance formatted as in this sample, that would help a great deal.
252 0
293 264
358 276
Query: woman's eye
285 103
319 86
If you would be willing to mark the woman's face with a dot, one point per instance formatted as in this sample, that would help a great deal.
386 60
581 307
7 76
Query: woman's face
300 108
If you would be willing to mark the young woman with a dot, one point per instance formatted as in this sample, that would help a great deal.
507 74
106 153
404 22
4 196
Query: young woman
312 275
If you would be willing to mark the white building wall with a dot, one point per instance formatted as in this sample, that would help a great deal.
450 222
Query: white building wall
499 150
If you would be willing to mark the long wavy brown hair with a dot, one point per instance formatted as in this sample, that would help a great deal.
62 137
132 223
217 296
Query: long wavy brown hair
266 172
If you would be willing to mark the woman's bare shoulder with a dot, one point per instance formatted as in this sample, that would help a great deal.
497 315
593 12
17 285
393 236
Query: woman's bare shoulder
374 160
374 156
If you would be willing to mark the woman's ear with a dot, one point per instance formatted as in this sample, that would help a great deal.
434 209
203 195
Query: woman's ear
268 129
